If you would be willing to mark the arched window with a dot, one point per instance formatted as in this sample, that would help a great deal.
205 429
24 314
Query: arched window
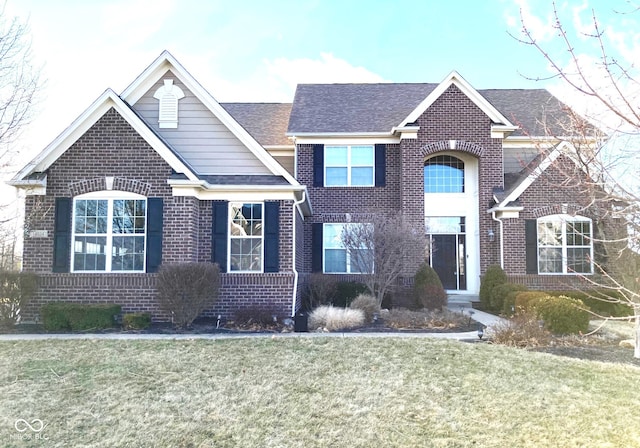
444 174
565 245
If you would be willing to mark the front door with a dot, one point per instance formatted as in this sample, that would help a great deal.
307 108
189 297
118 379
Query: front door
448 260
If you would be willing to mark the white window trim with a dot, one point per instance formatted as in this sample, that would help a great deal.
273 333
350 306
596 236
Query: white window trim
564 219
230 237
324 258
349 166
110 196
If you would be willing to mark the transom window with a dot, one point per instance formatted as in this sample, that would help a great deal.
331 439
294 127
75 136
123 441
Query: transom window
245 237
337 259
349 165
443 174
109 232
565 245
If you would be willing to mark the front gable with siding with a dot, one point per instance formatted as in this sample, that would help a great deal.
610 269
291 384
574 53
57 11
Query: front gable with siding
234 184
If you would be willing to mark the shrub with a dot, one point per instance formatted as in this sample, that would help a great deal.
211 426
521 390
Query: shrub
61 316
186 289
346 292
527 300
427 289
16 291
493 277
264 316
368 304
136 321
403 318
503 297
602 303
334 318
563 315
524 330
321 290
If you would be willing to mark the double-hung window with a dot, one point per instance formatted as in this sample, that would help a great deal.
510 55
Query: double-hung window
339 260
246 237
349 165
109 232
565 245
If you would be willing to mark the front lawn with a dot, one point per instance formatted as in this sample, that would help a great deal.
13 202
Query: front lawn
310 392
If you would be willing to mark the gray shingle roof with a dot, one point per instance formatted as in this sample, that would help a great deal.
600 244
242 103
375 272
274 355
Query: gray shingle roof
266 122
325 108
536 111
320 108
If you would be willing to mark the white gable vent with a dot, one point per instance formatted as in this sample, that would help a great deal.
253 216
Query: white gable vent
168 96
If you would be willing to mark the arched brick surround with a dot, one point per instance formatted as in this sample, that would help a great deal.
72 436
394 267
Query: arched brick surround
451 145
100 184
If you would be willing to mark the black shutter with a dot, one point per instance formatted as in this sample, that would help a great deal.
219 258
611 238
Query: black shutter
318 165
531 244
154 233
380 165
271 237
62 235
219 234
316 247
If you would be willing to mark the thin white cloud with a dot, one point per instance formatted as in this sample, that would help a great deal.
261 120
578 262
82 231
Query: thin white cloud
540 28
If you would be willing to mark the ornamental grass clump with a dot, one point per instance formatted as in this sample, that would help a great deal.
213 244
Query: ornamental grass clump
368 304
332 318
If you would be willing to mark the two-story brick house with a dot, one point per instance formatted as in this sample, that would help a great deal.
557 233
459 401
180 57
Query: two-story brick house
164 173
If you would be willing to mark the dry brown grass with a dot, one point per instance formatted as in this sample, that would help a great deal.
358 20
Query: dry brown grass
402 318
335 318
312 392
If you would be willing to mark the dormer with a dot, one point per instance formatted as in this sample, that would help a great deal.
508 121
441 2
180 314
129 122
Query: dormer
168 96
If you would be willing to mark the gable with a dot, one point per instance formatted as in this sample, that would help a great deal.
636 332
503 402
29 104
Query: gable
30 175
200 137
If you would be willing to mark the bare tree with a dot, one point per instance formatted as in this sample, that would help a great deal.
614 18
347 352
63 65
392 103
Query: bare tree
609 177
383 249
19 87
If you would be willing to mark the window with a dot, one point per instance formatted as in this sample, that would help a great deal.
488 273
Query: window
349 166
444 174
245 237
564 245
109 232
337 259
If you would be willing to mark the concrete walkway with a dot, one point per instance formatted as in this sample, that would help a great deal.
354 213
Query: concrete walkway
485 319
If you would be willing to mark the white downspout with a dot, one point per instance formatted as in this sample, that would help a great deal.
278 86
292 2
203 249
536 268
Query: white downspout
500 225
293 257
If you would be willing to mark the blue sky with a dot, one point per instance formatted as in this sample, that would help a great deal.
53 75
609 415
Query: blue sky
257 50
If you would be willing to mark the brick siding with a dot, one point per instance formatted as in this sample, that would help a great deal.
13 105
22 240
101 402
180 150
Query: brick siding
112 148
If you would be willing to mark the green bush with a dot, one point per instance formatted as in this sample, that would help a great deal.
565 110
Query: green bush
16 291
503 297
136 321
186 289
61 316
493 277
346 292
527 300
368 304
602 303
563 315
427 289
55 317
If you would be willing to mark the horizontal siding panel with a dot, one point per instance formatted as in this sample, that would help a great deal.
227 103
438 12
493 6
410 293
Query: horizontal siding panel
201 138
